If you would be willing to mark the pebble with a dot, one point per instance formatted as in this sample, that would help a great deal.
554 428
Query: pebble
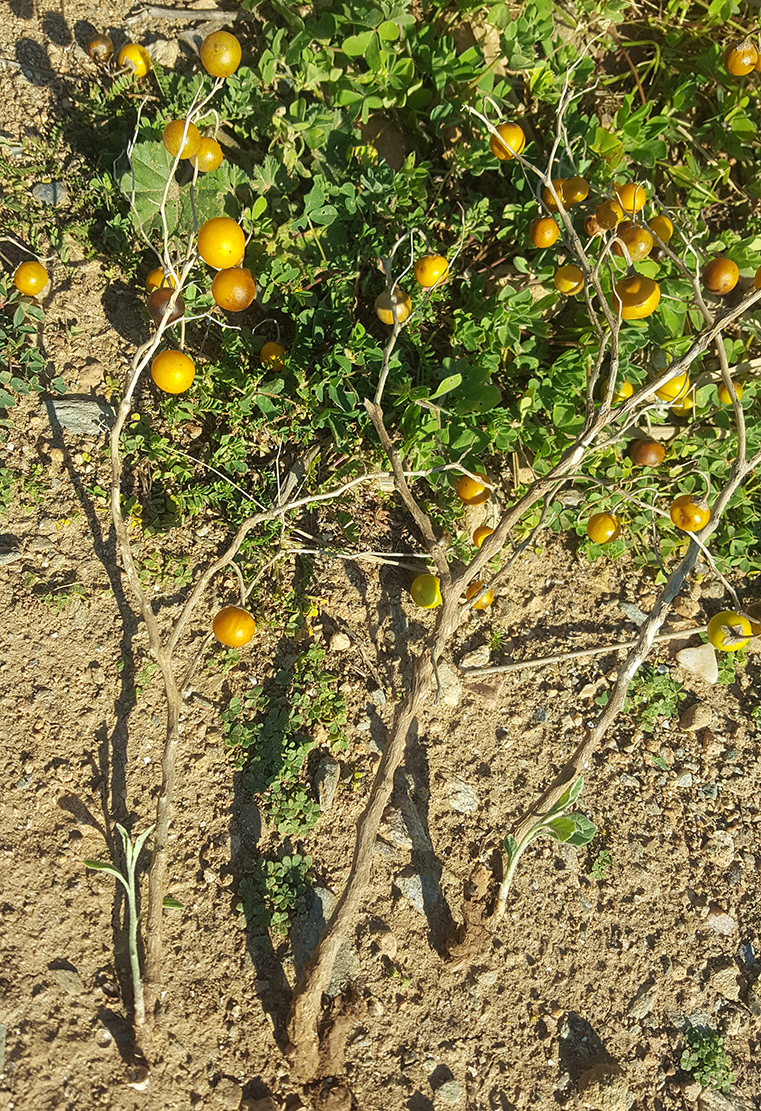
68 979
451 687
700 661
753 999
404 830
228 1094
479 657
720 848
684 780
374 1007
643 1001
725 982
461 797
417 888
450 1092
696 717
339 642
634 613
326 781
603 1088
51 193
84 417
691 1091
9 554
720 922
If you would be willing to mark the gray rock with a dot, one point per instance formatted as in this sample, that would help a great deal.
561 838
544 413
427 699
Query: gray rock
451 687
418 889
643 1001
711 1100
683 780
691 1091
700 661
696 717
725 981
603 1088
450 1092
3 1030
753 999
68 979
720 922
378 696
479 657
403 829
720 848
306 932
228 1094
326 781
81 416
165 52
339 642
461 797
51 193
634 613
9 554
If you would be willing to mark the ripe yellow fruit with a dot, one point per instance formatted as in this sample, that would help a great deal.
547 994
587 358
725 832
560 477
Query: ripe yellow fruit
741 58
720 276
631 197
723 393
673 389
134 57
384 309
729 631
547 197
662 227
635 297
431 270
30 278
575 190
621 392
173 371
426 591
544 231
569 279
220 54
472 492
272 355
174 142
637 240
481 534
233 289
233 626
510 143
209 155
476 588
221 242
683 407
603 527
158 279
608 215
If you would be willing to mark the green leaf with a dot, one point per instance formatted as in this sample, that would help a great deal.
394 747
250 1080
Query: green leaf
389 31
450 383
356 45
511 847
170 903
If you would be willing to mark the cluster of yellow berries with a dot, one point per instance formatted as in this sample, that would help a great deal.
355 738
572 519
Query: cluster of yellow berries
426 588
430 272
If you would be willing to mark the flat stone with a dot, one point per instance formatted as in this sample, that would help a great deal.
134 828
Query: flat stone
603 1088
461 797
51 193
634 613
228 1094
326 781
711 1100
695 717
479 657
9 554
720 922
643 1001
403 829
451 686
418 889
720 848
725 981
700 661
339 642
450 1092
81 416
307 930
683 780
68 979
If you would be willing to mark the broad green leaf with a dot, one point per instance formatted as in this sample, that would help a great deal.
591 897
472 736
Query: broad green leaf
389 31
170 903
450 383
356 45
511 846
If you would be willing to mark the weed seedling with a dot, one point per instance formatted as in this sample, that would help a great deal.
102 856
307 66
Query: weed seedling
706 1059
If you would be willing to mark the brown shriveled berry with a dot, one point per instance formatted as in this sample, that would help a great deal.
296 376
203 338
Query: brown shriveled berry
646 453
158 306
100 49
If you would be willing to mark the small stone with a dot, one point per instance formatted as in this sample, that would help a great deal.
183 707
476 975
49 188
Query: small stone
50 193
139 1077
326 781
461 797
418 889
83 417
691 1092
634 613
720 848
404 830
265 1104
479 657
378 696
375 1008
228 1094
683 780
9 554
711 1100
68 979
603 1088
339 642
450 1092
720 922
451 687
700 661
56 456
725 981
753 999
696 717
643 1001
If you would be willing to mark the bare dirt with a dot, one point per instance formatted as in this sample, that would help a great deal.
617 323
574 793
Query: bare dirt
582 972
